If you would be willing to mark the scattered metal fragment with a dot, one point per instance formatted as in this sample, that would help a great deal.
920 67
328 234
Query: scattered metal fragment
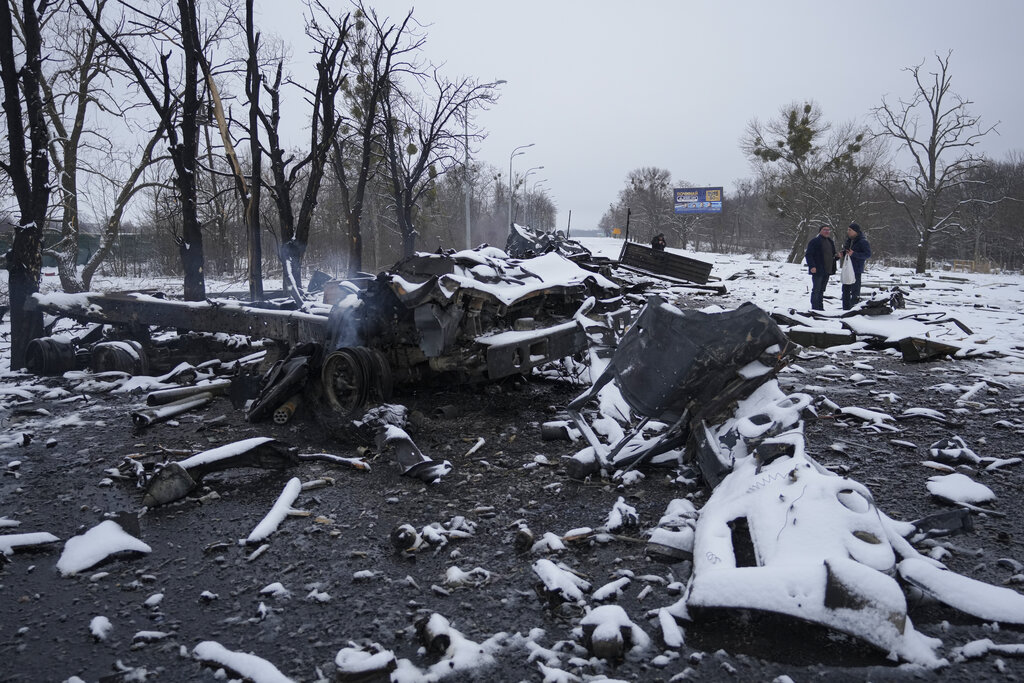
982 600
145 417
409 457
920 349
175 480
715 360
351 463
948 523
609 633
31 540
165 396
284 412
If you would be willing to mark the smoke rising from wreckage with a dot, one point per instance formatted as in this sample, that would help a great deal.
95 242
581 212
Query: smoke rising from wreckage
781 533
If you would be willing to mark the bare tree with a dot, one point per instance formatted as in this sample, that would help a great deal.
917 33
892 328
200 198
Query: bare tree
330 35
935 128
27 163
381 50
77 87
180 109
126 189
423 140
798 164
252 194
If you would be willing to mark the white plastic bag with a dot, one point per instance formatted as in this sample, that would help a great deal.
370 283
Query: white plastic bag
846 275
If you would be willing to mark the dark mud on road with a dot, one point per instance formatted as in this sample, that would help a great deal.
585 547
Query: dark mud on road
342 549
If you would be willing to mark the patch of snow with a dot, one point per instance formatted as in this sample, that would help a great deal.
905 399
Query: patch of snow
97 544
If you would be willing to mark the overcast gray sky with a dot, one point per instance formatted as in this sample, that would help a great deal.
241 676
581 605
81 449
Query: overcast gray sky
601 87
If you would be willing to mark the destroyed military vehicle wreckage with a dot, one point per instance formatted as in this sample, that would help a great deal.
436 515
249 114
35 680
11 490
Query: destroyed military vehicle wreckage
469 316
779 534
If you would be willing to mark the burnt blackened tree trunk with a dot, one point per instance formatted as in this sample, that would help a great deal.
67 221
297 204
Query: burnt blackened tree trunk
330 34
252 197
381 51
185 154
27 166
179 113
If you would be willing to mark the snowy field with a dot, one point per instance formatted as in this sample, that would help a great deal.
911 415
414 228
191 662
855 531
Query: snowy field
990 305
608 588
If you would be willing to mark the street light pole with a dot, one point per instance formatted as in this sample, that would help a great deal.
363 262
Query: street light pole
525 176
511 185
465 186
531 202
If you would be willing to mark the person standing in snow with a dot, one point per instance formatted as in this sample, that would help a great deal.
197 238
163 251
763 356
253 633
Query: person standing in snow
821 264
658 243
858 250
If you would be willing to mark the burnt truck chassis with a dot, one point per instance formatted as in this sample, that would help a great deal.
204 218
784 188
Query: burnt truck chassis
407 326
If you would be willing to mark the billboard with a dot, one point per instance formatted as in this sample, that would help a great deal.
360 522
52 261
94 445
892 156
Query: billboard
698 199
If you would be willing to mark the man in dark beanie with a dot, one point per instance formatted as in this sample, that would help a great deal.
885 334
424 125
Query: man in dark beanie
821 263
858 250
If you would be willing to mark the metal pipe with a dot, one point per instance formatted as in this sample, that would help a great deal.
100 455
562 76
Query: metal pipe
511 186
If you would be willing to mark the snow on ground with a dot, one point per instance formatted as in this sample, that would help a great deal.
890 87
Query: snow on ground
989 306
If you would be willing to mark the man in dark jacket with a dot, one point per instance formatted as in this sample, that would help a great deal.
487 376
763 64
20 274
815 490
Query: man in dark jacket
821 263
658 243
858 250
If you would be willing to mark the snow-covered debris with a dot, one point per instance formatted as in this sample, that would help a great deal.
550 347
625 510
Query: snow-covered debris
458 654
673 537
408 455
959 488
148 636
675 544
356 662
100 627
611 590
671 633
97 544
873 418
560 582
993 464
622 514
790 537
477 576
926 413
277 513
609 633
953 451
249 666
405 538
979 648
276 590
985 601
8 542
548 543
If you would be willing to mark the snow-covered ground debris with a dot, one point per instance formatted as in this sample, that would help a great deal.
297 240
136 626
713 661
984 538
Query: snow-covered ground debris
282 506
97 544
959 488
245 664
